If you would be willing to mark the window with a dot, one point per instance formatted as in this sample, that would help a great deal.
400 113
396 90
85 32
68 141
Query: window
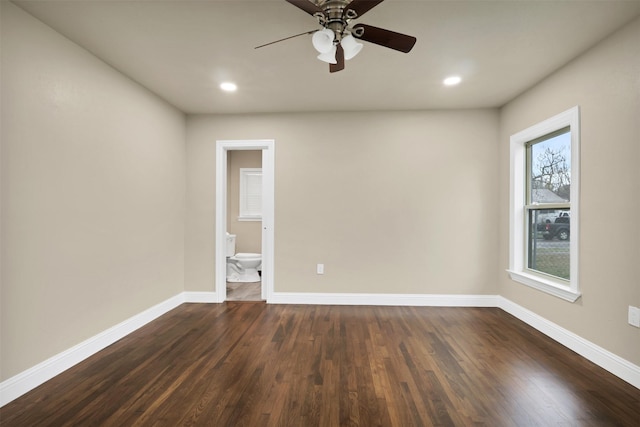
250 194
544 206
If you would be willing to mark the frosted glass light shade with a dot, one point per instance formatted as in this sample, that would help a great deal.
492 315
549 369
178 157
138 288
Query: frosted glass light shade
323 40
329 56
351 46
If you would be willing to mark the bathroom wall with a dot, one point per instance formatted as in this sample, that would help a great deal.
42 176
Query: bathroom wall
93 173
605 83
248 233
390 202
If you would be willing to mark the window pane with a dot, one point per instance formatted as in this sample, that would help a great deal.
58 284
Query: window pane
548 241
549 168
253 193
250 192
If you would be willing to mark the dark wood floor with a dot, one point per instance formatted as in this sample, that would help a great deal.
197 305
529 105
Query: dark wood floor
252 364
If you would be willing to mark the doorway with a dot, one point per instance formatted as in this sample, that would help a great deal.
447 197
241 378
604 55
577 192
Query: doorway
267 147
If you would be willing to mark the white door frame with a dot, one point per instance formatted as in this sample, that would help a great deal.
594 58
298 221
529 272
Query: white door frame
268 168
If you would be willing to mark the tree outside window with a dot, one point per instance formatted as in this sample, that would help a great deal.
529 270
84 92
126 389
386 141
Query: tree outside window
548 204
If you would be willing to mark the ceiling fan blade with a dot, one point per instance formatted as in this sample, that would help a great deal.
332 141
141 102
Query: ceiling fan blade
286 38
340 60
360 7
306 5
385 38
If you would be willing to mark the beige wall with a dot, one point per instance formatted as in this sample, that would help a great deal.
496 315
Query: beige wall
389 202
248 233
93 173
605 83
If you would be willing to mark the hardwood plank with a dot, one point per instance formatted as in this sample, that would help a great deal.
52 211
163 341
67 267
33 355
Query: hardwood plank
253 364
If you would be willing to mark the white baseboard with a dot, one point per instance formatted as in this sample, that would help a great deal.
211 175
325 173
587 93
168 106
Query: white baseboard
618 366
201 297
20 384
25 381
384 299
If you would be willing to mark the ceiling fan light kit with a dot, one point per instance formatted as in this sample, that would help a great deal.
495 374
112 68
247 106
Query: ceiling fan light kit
324 42
337 40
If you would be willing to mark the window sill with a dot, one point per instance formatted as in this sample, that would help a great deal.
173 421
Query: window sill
545 285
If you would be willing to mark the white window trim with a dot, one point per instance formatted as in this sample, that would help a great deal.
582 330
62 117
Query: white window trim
517 239
243 214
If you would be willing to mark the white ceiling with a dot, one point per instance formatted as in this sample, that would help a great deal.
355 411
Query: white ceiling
182 50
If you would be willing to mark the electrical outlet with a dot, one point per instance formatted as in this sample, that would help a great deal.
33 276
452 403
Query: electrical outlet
320 269
634 316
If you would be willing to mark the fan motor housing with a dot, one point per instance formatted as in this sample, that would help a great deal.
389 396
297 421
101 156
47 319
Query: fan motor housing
334 18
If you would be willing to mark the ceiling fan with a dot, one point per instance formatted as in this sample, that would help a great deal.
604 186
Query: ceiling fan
337 40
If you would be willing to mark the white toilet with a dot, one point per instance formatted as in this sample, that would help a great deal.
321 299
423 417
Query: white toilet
241 267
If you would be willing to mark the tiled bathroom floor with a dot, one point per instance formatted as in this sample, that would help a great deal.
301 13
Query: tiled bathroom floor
244 291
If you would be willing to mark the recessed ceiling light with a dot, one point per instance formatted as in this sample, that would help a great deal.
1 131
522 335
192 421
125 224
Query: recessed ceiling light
228 87
452 80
